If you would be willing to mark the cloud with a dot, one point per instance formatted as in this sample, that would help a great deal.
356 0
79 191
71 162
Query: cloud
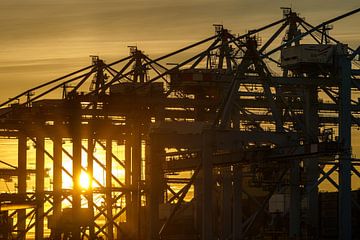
33 30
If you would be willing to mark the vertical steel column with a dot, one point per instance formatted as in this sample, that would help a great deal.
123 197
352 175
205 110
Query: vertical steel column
110 230
237 211
237 226
128 178
312 169
207 201
345 141
75 129
39 191
76 201
154 186
198 184
295 200
90 172
226 203
136 176
295 191
57 178
198 195
21 214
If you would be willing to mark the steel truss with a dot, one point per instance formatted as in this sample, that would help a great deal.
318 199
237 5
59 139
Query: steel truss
239 121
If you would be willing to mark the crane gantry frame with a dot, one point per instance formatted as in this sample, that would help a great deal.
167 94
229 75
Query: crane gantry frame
235 126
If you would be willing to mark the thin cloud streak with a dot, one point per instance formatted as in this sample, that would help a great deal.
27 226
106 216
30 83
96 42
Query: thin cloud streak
58 36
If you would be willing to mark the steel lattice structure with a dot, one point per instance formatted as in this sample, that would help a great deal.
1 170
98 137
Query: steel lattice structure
222 118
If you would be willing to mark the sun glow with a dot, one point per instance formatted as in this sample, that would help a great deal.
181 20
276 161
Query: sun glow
84 180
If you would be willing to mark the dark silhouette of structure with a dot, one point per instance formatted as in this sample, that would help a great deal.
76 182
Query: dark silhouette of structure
250 144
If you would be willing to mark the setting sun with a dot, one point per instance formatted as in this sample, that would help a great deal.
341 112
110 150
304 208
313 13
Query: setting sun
84 180
194 119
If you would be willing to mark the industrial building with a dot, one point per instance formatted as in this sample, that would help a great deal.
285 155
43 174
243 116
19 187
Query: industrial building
231 143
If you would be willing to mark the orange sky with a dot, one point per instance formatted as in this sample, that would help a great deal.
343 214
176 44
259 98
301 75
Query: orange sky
44 39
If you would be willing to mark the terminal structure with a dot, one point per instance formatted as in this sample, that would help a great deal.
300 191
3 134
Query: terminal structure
231 143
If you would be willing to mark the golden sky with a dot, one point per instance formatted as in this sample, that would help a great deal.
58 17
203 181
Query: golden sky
43 39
